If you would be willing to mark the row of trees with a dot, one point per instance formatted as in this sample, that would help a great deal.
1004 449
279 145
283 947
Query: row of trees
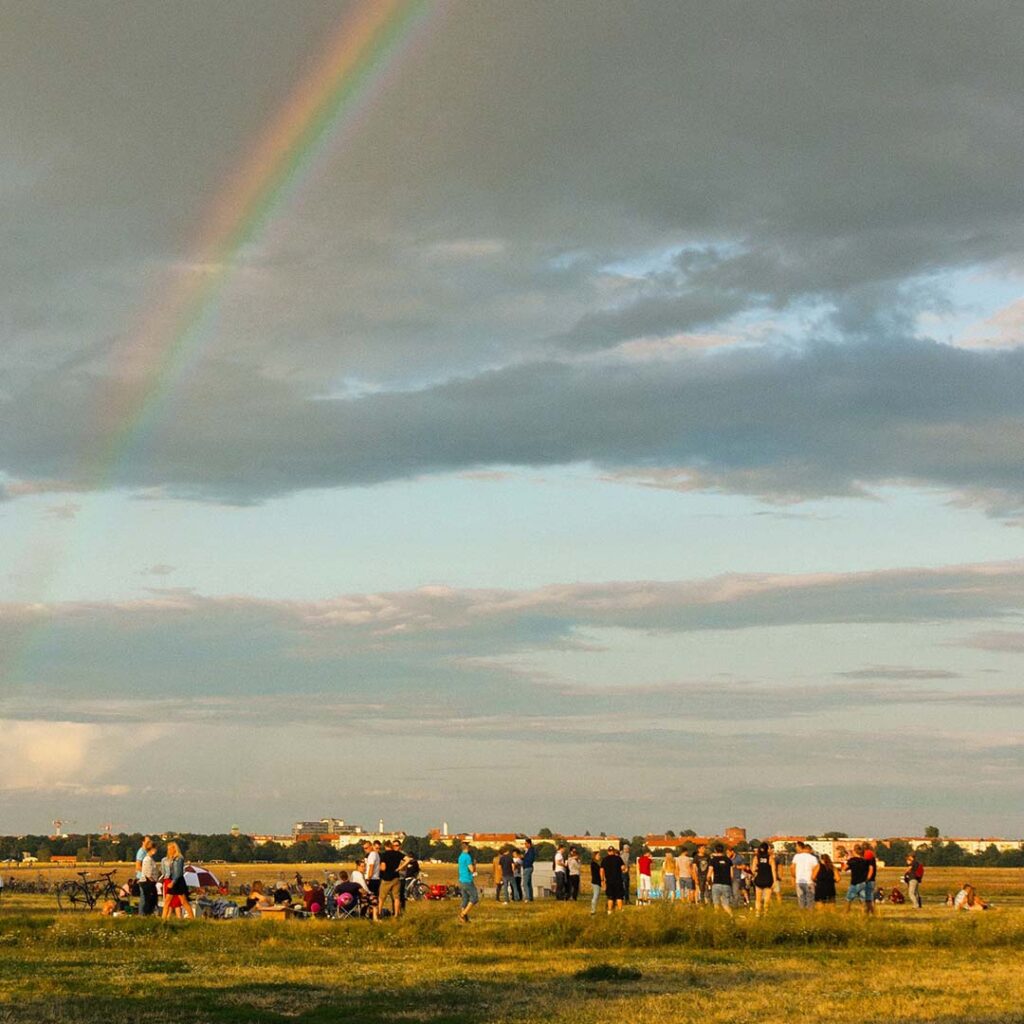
242 850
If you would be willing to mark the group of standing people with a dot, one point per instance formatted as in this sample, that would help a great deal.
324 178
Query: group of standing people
154 875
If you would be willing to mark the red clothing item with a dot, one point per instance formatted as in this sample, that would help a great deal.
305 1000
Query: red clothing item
643 864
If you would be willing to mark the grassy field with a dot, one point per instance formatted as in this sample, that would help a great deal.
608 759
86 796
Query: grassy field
524 964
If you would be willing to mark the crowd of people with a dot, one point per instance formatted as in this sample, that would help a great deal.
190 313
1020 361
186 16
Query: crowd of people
723 877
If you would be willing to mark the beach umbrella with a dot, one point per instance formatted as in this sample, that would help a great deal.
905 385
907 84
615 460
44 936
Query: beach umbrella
198 877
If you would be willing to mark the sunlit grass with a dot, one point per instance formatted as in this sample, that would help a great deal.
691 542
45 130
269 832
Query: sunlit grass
547 962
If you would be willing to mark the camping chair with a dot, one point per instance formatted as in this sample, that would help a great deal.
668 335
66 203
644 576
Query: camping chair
345 905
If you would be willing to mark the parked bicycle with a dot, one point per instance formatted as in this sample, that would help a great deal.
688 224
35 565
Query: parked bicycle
85 893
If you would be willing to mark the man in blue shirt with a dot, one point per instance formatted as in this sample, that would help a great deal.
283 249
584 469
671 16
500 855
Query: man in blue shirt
140 856
467 883
529 856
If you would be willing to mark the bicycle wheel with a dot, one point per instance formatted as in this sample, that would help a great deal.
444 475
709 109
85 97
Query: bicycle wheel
73 896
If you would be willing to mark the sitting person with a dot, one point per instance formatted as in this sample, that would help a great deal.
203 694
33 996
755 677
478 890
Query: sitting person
312 897
968 899
282 894
348 891
257 898
896 895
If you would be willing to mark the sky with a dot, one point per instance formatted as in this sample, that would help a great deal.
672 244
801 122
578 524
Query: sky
591 416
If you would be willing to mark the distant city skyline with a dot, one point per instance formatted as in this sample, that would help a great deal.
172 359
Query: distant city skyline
531 412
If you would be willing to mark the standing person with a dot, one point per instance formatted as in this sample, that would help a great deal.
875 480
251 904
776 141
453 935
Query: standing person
372 851
529 858
802 869
408 871
517 875
177 890
625 855
684 869
467 883
643 876
912 876
595 881
150 872
508 885
668 876
721 879
140 856
561 881
701 866
613 875
825 878
739 876
869 856
573 865
765 871
390 880
496 876
859 869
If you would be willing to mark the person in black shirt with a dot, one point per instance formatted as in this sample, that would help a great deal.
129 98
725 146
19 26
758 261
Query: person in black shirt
613 872
700 868
507 887
595 880
861 872
721 879
391 858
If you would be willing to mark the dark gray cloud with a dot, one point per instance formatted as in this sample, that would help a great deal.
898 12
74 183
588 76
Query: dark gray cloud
438 647
828 420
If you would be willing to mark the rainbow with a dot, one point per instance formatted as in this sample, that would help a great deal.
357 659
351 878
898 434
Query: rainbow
156 355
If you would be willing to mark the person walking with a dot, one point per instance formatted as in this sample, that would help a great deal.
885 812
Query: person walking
765 871
574 865
595 881
802 869
467 883
912 876
150 872
529 858
613 877
825 877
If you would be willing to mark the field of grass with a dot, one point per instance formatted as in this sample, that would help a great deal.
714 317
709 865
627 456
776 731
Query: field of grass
524 964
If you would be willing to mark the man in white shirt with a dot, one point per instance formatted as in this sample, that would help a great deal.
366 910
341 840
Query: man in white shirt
802 870
372 867
561 883
150 875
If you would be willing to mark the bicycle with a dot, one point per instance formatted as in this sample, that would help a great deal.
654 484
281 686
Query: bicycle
415 888
87 892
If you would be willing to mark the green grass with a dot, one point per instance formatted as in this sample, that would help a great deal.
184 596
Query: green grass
525 964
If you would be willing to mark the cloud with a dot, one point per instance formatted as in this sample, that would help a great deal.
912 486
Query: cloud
899 672
74 757
158 569
827 420
999 641
67 510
